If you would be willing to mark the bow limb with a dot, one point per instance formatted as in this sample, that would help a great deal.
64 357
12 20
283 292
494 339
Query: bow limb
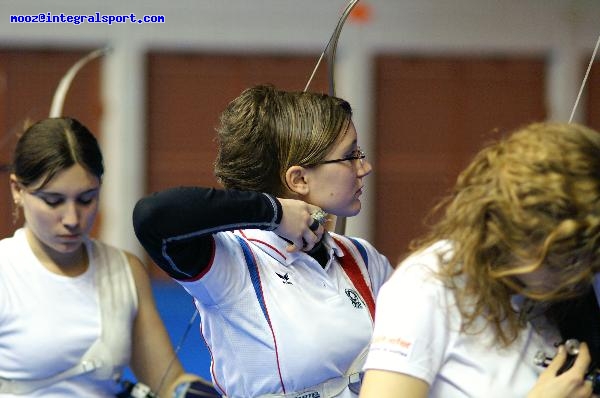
329 52
59 96
333 46
330 49
63 86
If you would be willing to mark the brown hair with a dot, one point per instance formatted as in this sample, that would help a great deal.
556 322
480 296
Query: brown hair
265 131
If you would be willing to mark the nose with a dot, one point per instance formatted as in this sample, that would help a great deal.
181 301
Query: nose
70 217
364 168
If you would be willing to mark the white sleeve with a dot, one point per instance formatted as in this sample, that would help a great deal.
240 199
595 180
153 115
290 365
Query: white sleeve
225 278
411 323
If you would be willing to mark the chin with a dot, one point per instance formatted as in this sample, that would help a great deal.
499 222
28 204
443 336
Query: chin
67 248
351 212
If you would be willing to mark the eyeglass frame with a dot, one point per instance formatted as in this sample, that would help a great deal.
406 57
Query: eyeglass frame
357 154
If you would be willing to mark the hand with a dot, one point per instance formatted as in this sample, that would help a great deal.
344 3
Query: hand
189 385
571 383
295 225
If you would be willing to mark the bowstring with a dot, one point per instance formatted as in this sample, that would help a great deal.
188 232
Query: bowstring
330 51
587 72
178 348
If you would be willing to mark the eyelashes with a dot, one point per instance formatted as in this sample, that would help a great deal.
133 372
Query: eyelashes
57 200
56 203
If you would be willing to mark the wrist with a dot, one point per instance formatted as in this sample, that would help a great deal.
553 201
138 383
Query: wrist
191 386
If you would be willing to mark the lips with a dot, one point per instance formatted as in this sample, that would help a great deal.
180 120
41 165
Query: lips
69 236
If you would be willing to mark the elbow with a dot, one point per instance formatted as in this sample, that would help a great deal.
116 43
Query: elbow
144 220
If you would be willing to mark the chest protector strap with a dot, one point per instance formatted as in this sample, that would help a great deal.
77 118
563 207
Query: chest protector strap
355 274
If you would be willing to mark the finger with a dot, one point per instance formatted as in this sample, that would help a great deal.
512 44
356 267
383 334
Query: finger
311 240
558 361
583 359
589 383
314 226
296 245
293 248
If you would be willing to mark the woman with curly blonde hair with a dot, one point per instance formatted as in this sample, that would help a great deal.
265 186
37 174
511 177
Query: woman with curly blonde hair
467 312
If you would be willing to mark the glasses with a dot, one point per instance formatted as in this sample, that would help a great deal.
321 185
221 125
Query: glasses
357 154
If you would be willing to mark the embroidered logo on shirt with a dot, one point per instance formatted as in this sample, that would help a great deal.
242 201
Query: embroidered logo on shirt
284 278
354 298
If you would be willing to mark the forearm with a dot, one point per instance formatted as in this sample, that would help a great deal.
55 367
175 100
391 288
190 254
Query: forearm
175 226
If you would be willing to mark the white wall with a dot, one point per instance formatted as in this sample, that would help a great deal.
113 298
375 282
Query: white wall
564 31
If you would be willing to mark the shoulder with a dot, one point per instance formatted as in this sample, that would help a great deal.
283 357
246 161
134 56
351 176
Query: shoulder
416 280
138 274
430 258
116 257
377 267
14 242
363 246
365 249
418 273
7 247
138 269
15 252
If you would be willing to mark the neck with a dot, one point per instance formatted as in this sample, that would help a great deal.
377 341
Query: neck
71 264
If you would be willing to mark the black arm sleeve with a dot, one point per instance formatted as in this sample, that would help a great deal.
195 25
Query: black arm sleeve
176 226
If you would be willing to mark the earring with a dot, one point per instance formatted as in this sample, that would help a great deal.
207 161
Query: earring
15 212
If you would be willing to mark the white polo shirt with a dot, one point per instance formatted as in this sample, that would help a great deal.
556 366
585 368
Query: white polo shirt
418 333
289 324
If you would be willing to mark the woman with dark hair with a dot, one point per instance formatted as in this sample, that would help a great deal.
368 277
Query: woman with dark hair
74 312
286 307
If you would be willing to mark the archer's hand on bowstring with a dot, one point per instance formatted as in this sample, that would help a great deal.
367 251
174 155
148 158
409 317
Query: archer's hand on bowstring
570 384
298 224
192 386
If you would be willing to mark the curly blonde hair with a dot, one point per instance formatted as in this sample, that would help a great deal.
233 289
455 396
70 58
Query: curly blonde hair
528 202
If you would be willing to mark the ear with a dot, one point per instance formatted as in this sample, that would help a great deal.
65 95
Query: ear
295 178
15 189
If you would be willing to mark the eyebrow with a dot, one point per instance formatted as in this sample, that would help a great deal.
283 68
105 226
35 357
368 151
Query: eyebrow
353 144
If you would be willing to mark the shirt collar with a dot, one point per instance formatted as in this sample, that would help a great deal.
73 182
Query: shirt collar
275 246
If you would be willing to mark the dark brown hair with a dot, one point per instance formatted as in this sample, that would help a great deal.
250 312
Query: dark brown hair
52 145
